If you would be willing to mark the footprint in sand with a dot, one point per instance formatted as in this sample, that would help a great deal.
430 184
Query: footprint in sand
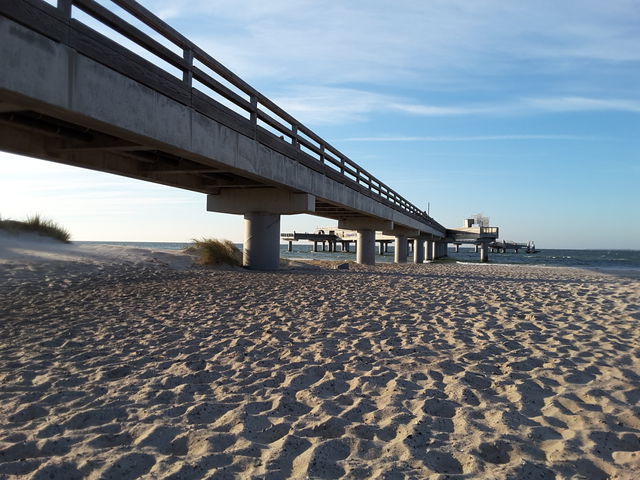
496 452
161 438
535 471
66 471
332 428
442 462
28 413
323 463
607 443
281 466
130 466
96 417
208 412
440 408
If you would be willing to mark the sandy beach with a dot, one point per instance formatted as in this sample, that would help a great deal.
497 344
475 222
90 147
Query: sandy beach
122 363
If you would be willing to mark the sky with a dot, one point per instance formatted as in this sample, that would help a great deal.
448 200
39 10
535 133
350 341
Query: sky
527 112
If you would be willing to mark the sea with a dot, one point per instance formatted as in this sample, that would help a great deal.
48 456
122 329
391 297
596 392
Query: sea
623 261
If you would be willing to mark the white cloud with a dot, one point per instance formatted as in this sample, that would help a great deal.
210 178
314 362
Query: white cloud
579 104
332 105
448 44
469 138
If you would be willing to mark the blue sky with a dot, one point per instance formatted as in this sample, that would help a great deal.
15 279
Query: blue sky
528 112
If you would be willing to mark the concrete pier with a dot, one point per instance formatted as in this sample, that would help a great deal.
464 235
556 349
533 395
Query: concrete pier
366 247
400 250
261 249
429 249
484 252
418 250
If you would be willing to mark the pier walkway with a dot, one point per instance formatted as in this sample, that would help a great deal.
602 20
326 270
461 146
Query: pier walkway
167 112
170 113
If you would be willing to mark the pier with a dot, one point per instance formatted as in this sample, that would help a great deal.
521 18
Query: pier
72 95
422 249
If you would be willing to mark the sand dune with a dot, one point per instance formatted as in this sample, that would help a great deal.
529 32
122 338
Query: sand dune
132 368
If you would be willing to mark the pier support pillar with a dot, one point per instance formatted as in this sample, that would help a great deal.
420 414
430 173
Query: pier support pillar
418 250
457 248
400 250
381 248
429 249
477 246
261 248
261 208
366 247
290 247
484 252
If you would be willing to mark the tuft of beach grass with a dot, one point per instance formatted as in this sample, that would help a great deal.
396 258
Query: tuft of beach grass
211 251
37 224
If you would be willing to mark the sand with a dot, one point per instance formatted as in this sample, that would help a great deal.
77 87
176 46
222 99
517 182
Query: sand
122 363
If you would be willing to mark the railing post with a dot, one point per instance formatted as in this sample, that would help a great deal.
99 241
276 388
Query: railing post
253 115
64 7
187 73
294 138
322 153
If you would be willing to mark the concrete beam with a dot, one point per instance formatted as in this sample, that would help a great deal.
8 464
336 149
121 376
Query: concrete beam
397 230
374 224
266 200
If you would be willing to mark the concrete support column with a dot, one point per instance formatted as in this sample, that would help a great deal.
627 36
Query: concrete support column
290 247
381 248
418 251
457 248
477 247
366 247
261 249
445 249
429 249
484 252
400 250
315 246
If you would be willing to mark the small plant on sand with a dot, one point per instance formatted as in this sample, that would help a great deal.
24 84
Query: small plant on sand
212 251
39 225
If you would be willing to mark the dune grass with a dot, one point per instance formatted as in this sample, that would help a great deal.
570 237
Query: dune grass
37 224
211 251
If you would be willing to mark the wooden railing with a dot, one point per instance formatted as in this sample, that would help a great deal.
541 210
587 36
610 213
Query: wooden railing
246 109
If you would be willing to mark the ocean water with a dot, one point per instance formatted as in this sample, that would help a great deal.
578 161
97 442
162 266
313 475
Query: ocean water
595 259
